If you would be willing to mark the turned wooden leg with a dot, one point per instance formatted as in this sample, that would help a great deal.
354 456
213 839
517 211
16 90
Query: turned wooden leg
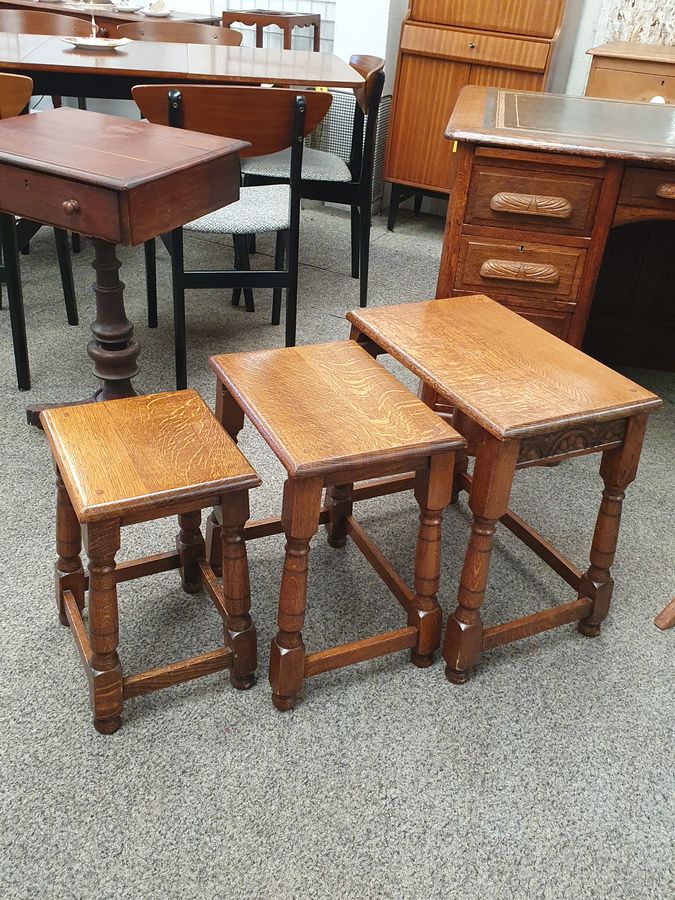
300 519
214 542
190 547
237 591
488 500
69 571
617 470
433 487
103 542
339 503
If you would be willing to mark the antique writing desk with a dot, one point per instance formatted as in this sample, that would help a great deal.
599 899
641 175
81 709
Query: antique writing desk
57 68
541 181
120 182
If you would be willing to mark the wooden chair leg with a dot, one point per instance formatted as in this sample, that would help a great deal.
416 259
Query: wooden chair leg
433 487
75 242
236 590
394 201
339 503
488 500
356 228
617 470
666 618
66 270
279 259
190 547
300 519
150 250
364 250
417 203
69 572
10 254
103 542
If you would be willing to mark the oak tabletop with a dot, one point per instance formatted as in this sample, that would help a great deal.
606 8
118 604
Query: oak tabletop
509 375
582 126
194 62
137 453
328 407
109 151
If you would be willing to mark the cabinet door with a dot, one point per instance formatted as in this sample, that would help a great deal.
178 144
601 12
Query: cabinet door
418 152
538 18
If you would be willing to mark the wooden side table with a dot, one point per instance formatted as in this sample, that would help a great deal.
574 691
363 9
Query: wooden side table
286 21
119 182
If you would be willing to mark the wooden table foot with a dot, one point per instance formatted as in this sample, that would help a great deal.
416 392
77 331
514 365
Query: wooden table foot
666 618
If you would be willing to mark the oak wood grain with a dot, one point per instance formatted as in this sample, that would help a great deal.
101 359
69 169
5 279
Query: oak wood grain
539 18
505 373
129 457
372 419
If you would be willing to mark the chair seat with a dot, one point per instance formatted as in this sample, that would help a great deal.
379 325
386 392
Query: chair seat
259 209
122 458
317 165
327 408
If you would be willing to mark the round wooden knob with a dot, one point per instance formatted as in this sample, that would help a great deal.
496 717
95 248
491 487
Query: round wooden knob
70 207
472 46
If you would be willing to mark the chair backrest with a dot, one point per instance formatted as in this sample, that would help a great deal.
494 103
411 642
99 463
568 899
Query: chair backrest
261 116
180 33
15 92
368 96
22 21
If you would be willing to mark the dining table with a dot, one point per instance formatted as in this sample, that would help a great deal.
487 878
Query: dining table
57 67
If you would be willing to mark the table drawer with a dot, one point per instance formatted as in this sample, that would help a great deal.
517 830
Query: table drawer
57 201
619 83
531 199
654 188
475 47
524 268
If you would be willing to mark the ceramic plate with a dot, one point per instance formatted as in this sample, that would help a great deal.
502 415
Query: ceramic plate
164 14
96 43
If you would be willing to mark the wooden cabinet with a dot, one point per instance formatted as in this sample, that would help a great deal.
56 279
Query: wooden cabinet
636 72
446 44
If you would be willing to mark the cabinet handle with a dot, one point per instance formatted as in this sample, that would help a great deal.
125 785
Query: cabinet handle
666 191
531 205
509 270
70 207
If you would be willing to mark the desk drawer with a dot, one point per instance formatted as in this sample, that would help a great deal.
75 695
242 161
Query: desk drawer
532 199
475 47
654 188
527 269
619 83
57 201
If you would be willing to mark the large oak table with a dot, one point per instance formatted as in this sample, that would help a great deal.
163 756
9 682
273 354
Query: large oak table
58 68
541 182
119 182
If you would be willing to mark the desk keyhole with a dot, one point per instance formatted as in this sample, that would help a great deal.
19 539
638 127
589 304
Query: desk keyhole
521 249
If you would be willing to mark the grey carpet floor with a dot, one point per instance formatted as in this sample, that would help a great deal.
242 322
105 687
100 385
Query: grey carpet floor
549 775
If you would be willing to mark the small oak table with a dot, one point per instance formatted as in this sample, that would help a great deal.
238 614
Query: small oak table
118 182
286 21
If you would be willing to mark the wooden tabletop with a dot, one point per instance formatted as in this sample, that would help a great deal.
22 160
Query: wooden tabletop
106 11
331 407
136 454
507 374
175 62
578 125
108 151
657 53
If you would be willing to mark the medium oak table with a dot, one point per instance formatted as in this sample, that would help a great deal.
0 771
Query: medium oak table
118 182
58 68
541 181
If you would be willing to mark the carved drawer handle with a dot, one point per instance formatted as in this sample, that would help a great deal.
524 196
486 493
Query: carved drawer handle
70 207
531 205
666 191
509 270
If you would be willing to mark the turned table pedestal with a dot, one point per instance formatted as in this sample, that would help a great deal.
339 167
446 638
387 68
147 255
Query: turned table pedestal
118 182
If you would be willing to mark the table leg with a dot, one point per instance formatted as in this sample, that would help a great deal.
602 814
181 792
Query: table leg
112 348
488 499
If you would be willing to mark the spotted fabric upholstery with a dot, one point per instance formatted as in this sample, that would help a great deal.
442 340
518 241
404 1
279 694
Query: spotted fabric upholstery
317 165
259 209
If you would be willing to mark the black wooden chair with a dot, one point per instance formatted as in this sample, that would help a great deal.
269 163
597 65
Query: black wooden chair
270 119
325 176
